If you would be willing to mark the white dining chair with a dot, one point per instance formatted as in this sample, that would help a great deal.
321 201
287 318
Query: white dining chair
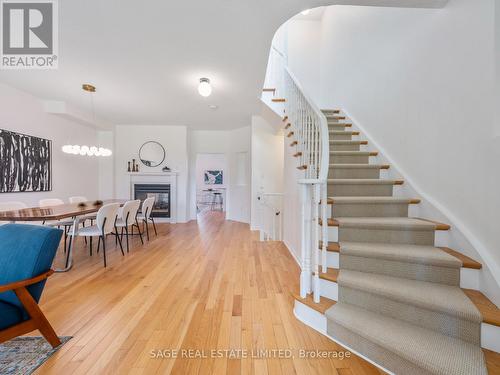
67 224
77 199
105 224
11 206
145 214
81 199
127 217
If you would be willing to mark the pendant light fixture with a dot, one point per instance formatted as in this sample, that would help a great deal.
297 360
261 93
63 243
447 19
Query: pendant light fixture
204 88
86 150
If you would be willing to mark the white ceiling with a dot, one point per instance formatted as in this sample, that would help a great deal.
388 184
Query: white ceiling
146 58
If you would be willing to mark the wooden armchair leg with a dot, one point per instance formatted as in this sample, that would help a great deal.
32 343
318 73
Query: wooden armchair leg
41 322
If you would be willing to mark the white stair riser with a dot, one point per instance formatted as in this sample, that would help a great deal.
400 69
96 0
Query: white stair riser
329 289
469 278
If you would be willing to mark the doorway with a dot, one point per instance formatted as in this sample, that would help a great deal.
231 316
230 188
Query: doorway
211 182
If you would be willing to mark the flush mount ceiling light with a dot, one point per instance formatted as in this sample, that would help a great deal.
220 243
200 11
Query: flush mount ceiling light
213 106
204 88
305 12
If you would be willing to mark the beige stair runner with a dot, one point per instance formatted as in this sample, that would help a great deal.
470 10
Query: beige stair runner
400 302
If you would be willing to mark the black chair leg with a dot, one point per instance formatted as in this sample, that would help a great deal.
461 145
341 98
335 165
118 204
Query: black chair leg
145 223
67 256
90 240
104 249
154 226
99 244
139 230
65 238
126 235
117 238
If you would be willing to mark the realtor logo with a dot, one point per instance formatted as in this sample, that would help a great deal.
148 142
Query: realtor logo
29 34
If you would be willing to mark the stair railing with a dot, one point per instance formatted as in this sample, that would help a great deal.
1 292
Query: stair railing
310 131
310 128
271 221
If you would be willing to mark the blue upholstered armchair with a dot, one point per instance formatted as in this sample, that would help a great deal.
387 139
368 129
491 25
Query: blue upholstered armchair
26 255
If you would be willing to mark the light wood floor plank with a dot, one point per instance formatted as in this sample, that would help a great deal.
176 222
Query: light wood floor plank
197 286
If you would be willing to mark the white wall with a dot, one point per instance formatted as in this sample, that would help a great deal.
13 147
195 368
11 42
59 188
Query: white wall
267 162
129 139
234 144
71 174
303 46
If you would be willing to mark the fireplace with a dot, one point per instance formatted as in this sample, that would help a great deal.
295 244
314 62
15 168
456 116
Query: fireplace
161 193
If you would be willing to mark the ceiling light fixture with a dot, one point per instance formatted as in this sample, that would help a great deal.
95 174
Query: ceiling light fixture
86 150
204 88
213 106
305 12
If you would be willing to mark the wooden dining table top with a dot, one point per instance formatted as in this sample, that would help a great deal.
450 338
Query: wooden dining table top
62 211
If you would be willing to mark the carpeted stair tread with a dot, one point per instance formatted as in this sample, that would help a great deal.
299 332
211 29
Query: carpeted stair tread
359 166
353 153
362 181
442 298
369 200
429 350
401 252
387 223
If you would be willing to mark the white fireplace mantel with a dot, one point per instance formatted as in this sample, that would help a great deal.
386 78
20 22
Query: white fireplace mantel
158 178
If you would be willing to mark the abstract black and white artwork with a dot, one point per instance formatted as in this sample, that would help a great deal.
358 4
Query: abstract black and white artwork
25 163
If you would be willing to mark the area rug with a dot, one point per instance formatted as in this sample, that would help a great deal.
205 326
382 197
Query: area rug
23 355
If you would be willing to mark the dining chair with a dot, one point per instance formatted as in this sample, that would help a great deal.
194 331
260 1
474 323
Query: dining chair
67 224
26 255
105 224
10 206
127 217
145 215
81 199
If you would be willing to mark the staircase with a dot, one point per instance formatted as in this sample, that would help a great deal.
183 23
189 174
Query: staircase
388 293
375 279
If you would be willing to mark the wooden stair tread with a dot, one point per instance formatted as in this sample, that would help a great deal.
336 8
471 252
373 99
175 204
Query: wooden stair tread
492 361
331 274
489 311
278 100
285 118
268 90
288 125
466 261
331 110
294 143
323 305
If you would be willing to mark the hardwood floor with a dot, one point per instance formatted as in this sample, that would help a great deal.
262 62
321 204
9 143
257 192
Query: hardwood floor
197 286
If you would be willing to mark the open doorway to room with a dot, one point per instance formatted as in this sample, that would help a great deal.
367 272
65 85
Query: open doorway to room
211 182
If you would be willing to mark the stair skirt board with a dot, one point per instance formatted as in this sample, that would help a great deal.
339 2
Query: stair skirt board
318 322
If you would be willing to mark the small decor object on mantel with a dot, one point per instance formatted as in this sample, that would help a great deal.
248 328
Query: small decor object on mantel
166 169
128 169
98 203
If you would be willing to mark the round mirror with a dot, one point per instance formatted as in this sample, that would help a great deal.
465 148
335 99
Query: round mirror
152 154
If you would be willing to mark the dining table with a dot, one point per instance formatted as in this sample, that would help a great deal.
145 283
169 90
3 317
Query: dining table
72 211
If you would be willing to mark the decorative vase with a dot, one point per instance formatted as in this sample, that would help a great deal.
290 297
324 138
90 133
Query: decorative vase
133 166
128 169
